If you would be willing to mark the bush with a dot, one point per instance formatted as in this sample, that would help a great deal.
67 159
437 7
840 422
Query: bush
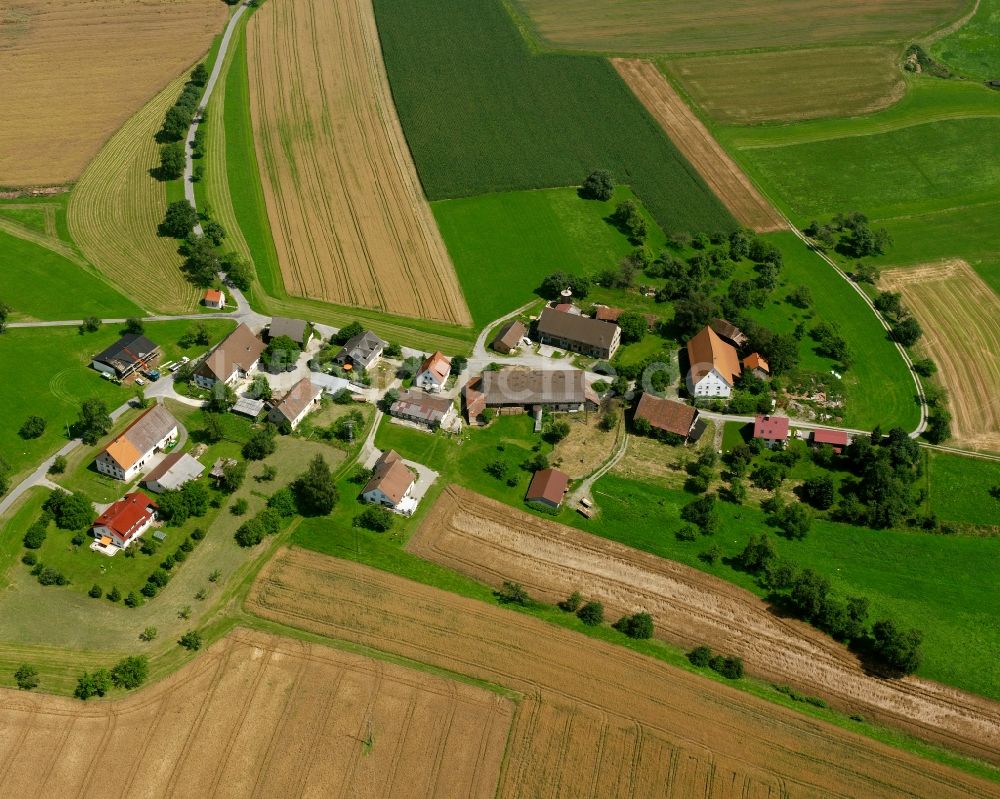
512 594
638 625
130 672
282 502
29 559
148 590
571 604
51 576
35 536
730 667
700 656
315 492
59 464
239 507
191 640
114 595
33 427
686 532
591 614
374 517
96 684
599 185
26 677
899 649
132 600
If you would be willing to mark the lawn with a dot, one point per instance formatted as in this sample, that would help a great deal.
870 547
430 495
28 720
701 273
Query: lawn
959 488
41 284
972 49
53 376
943 585
483 113
504 244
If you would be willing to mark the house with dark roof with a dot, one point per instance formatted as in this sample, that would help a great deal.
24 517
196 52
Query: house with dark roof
131 353
301 399
515 390
172 472
433 372
235 358
580 334
361 351
123 522
729 332
666 415
714 365
298 330
423 409
391 484
838 439
135 446
548 487
772 430
509 337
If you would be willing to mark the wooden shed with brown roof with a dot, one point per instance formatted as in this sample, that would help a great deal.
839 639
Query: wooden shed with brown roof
667 415
548 486
509 337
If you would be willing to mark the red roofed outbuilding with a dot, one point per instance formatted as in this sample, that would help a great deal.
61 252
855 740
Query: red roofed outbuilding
548 486
125 520
837 439
771 429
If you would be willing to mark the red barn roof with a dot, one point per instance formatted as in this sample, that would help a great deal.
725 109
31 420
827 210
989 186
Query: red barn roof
837 438
771 428
125 515
548 485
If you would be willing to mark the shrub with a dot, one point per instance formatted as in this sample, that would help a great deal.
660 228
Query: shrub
114 595
148 590
374 517
35 536
282 502
197 534
315 493
599 185
512 594
638 625
239 507
33 427
51 576
571 604
686 532
591 614
29 559
730 667
191 640
59 464
96 684
132 600
26 677
700 656
148 634
130 672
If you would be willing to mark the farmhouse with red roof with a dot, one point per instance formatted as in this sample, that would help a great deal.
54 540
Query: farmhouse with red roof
123 522
837 439
771 429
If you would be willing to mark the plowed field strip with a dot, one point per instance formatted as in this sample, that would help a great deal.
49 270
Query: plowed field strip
491 542
347 211
116 206
960 316
376 609
695 142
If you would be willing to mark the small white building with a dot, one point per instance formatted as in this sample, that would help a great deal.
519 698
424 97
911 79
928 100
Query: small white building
301 399
433 372
123 522
214 299
235 358
126 456
714 366
391 484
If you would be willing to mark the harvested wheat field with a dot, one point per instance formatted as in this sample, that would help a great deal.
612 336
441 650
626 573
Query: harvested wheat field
492 543
693 139
347 211
597 719
791 85
259 715
116 206
74 71
959 314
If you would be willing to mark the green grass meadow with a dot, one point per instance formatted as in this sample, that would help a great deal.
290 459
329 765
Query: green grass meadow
972 49
502 245
482 114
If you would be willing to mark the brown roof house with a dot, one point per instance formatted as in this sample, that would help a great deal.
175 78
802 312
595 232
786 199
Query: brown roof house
729 332
755 364
301 399
666 418
172 472
424 409
236 357
578 333
391 484
548 487
714 365
433 372
298 330
515 390
837 439
509 337
125 457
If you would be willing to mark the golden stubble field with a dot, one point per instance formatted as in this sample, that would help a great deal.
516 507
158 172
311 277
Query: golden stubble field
348 215
597 720
73 72
960 316
491 542
259 715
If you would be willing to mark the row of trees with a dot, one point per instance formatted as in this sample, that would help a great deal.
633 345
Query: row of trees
637 625
850 234
176 123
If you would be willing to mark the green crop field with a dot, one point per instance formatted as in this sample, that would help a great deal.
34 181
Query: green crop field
502 245
943 585
41 284
959 488
482 113
51 367
972 49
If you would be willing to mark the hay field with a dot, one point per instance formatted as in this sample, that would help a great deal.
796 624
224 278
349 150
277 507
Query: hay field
492 543
790 85
675 26
74 71
626 725
264 716
700 148
347 211
115 207
959 313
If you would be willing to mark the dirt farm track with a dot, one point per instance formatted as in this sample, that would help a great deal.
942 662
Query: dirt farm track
623 725
491 542
258 715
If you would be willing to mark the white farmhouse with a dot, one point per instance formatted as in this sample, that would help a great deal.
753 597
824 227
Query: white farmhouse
391 484
433 373
715 365
301 398
125 457
236 357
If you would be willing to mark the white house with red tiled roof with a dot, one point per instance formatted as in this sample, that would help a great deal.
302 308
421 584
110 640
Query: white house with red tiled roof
131 451
124 521
433 373
214 299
